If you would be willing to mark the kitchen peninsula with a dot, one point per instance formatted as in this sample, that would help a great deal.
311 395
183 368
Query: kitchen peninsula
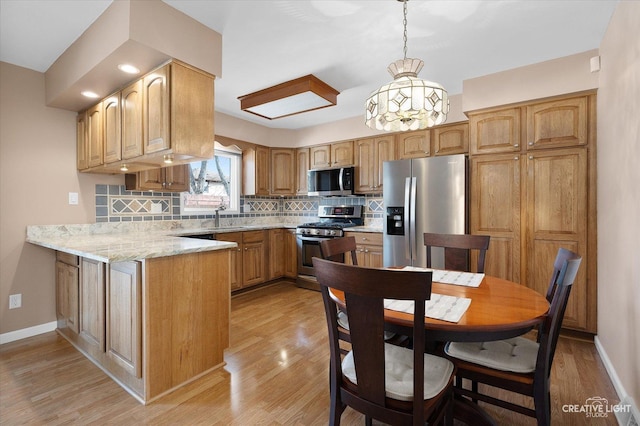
150 308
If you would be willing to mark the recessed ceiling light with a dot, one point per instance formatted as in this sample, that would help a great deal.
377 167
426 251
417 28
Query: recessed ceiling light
90 94
129 69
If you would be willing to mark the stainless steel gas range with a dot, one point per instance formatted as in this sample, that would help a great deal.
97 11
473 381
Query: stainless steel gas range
332 222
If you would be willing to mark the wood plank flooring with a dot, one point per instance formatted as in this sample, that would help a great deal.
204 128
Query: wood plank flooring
276 374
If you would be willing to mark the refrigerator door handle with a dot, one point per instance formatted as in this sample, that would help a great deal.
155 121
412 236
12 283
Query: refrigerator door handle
407 219
412 221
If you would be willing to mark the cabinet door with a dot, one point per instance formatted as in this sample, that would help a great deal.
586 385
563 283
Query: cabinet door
451 139
92 291
384 151
413 144
112 131
276 253
263 170
176 178
253 253
557 217
290 254
132 145
365 170
152 180
94 136
124 317
342 154
82 148
495 131
67 282
557 124
155 109
283 163
320 156
236 258
302 167
495 211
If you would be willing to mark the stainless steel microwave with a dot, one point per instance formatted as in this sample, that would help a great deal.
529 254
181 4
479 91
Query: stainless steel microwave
331 182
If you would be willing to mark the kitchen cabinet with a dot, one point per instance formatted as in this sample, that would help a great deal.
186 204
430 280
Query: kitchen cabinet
302 167
413 144
124 317
450 139
112 130
539 196
132 134
339 154
283 174
165 116
276 253
175 307
248 264
370 154
92 295
368 248
256 171
290 254
82 145
67 291
174 179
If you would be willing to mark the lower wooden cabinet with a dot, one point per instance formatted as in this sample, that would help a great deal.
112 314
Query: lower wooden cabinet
249 266
276 253
67 291
92 295
290 253
369 248
236 258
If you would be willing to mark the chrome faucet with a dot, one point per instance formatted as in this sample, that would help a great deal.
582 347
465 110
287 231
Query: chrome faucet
217 220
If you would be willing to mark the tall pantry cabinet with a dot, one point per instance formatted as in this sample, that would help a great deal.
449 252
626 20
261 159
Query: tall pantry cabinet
533 191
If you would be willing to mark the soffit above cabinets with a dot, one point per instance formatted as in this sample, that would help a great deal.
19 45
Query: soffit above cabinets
142 33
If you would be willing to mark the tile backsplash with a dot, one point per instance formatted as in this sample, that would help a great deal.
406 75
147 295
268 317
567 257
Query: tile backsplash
115 204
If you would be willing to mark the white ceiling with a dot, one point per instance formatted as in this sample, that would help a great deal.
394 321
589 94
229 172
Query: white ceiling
346 43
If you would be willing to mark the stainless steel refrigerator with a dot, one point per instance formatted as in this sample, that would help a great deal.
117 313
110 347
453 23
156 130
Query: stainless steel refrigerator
422 195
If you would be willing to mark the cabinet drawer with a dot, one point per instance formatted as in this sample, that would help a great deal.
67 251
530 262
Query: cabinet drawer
371 238
252 236
68 258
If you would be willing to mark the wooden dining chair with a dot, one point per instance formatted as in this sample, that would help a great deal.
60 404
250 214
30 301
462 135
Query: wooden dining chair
336 249
457 249
376 378
518 365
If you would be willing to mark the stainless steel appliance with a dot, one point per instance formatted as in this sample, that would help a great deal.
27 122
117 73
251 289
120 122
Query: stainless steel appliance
422 195
330 182
332 222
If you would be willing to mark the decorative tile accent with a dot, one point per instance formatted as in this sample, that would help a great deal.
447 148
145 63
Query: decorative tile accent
375 205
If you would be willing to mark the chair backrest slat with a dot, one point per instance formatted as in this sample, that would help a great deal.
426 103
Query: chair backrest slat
335 249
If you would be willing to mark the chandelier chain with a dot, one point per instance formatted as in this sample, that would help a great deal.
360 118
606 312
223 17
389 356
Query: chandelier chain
404 23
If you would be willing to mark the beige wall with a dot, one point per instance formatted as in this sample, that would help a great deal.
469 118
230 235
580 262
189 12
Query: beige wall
619 196
37 171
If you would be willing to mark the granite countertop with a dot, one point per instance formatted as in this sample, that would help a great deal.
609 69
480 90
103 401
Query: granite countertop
121 242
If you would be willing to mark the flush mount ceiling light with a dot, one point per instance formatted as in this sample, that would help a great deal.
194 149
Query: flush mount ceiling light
128 68
303 94
89 94
408 102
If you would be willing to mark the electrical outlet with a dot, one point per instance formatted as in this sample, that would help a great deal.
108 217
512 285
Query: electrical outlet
15 301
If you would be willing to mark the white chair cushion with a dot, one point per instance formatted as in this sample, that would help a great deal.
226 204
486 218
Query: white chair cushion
399 372
343 321
517 355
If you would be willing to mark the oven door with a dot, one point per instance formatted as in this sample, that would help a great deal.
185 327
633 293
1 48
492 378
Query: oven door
308 248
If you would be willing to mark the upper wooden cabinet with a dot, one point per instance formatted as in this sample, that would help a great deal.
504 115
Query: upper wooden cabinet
339 154
166 113
450 139
283 175
413 144
302 167
370 154
167 179
495 131
540 125
256 166
82 146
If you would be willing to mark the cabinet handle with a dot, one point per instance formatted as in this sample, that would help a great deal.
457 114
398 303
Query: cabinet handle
531 157
366 251
164 184
245 249
516 158
530 143
169 184
515 145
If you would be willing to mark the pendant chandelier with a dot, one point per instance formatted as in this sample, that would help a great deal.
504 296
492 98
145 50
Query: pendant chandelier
408 102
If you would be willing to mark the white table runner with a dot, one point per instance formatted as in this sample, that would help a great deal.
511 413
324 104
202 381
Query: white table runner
442 307
467 279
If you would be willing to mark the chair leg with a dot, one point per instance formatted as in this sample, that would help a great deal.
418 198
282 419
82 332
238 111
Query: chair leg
368 421
542 402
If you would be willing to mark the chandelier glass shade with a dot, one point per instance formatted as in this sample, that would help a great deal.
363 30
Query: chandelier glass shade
408 102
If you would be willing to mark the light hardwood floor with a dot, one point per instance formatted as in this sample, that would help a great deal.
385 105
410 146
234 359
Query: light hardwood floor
276 374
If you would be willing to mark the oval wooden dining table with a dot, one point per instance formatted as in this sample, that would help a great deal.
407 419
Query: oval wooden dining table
499 309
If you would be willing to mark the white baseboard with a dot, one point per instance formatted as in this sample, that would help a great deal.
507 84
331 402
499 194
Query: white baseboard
624 418
27 332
